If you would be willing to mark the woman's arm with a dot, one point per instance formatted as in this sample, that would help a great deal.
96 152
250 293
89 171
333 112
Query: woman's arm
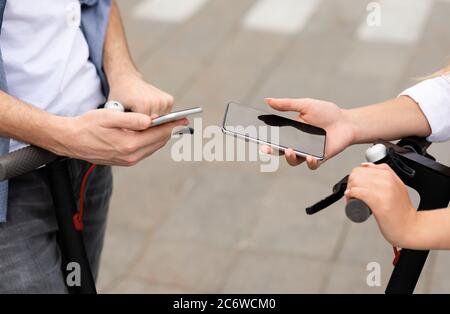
422 110
401 224
389 120
432 230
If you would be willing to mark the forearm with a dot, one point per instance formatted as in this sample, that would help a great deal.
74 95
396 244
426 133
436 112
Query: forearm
116 56
126 84
389 120
29 124
431 231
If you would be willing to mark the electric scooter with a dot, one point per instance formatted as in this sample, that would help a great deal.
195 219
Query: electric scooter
420 171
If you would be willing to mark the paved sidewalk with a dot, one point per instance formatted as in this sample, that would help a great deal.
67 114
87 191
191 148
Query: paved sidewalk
225 226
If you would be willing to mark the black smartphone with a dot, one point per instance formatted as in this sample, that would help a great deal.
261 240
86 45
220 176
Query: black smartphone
276 131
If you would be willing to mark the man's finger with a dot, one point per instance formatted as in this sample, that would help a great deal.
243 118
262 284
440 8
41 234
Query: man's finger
126 120
156 133
147 151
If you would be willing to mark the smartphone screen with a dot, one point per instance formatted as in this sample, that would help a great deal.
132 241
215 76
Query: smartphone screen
276 131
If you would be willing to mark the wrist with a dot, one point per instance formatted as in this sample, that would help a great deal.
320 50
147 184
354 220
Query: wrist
411 237
118 79
58 134
350 121
117 73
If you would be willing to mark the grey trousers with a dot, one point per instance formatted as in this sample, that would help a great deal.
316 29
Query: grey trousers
30 259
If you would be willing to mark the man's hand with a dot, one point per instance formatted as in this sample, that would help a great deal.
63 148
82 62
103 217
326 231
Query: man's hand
125 82
322 114
383 191
135 94
109 137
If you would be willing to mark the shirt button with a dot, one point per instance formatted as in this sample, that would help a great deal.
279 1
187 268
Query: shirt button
73 14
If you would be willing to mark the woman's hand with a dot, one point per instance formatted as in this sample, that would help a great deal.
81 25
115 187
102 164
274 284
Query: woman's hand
322 114
383 191
130 89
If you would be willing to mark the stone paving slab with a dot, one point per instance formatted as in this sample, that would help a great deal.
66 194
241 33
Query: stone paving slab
185 264
137 285
183 55
222 219
144 36
123 245
275 273
440 280
283 225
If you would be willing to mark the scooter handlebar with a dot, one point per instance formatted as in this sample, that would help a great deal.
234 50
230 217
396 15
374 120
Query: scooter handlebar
30 158
357 210
24 160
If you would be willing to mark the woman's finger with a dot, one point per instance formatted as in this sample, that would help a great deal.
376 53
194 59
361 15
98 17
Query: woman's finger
360 193
291 158
266 149
312 163
269 150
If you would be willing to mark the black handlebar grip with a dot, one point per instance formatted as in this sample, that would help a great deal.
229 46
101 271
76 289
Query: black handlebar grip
24 160
357 211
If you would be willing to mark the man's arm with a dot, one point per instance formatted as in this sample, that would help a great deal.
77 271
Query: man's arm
126 83
100 136
29 124
116 58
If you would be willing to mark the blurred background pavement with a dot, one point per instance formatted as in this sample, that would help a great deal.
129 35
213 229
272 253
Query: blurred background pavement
213 227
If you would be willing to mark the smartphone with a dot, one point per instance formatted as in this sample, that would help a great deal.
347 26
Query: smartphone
176 115
278 132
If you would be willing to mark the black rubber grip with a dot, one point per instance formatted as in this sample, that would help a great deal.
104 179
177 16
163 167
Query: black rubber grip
24 160
357 211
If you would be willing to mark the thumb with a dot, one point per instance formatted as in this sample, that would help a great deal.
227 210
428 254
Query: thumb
126 120
287 104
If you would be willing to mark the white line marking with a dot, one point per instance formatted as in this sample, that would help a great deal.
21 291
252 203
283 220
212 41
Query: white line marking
401 22
172 11
280 16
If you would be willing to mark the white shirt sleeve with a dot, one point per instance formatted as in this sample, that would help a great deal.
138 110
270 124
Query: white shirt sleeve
433 98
